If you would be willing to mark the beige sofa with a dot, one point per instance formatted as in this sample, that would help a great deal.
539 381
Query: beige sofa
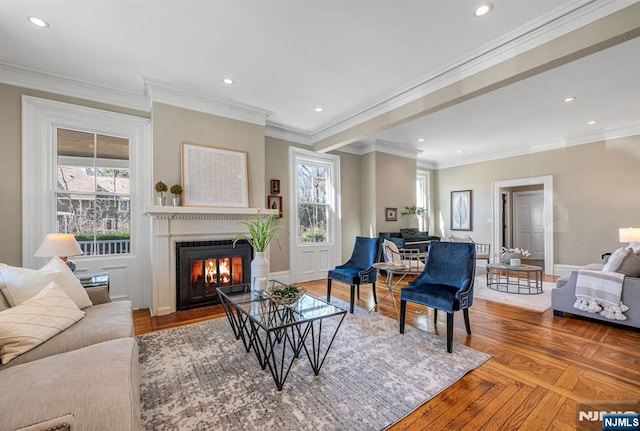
84 378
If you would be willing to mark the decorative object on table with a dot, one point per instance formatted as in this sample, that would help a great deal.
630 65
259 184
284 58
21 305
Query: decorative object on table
275 203
229 188
285 295
275 187
176 189
509 254
161 188
414 212
461 210
391 214
262 230
61 245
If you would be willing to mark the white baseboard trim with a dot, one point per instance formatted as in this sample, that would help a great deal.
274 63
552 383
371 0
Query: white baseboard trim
561 269
281 276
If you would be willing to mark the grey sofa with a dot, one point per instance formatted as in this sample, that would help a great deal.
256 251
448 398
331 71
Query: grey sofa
87 375
564 296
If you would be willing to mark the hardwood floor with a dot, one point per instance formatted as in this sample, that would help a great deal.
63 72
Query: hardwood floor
541 365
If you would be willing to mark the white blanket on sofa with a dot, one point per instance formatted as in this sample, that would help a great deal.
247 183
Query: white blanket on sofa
600 292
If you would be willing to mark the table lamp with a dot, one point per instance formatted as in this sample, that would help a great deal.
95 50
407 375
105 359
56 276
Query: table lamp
61 245
629 234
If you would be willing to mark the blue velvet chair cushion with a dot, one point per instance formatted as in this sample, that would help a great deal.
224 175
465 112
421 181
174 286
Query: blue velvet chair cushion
345 275
439 296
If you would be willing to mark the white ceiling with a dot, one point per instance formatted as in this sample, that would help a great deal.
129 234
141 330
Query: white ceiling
348 56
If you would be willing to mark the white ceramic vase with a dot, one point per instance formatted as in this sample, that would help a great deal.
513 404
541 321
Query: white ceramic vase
413 222
259 272
507 256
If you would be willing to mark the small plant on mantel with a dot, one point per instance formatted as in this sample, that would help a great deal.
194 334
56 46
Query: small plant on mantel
176 189
161 187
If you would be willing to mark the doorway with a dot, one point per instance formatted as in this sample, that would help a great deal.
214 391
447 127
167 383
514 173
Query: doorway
544 228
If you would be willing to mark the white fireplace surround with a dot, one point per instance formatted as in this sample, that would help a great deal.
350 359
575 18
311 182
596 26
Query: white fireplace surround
177 224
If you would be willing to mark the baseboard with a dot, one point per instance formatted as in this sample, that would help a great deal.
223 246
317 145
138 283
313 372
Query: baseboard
281 276
561 269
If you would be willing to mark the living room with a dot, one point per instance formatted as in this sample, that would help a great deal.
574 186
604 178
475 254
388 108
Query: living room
594 179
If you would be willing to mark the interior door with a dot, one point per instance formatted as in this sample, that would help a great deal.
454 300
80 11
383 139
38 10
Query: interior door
314 225
529 222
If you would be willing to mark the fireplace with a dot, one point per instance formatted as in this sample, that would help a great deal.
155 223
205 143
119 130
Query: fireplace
203 266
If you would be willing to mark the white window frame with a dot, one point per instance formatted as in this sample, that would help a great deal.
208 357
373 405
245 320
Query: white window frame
425 178
40 118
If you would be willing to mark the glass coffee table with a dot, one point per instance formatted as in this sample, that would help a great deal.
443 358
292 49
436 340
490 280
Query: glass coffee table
277 334
521 279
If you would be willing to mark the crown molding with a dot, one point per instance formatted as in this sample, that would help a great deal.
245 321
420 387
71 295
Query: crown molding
163 93
274 130
569 17
518 150
19 76
380 146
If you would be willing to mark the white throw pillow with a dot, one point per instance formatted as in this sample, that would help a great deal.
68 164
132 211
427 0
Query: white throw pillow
634 247
19 284
391 252
623 261
615 260
33 322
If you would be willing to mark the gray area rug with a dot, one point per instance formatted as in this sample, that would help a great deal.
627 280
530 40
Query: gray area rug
199 377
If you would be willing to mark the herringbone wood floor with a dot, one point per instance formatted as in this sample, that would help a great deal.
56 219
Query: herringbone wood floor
541 365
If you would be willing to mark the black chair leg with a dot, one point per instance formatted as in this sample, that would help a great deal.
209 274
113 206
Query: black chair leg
435 316
403 312
358 289
467 324
449 332
375 298
328 289
353 292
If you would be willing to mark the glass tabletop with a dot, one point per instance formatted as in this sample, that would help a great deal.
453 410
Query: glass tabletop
269 315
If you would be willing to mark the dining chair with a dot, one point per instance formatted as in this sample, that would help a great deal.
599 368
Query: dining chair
358 269
446 284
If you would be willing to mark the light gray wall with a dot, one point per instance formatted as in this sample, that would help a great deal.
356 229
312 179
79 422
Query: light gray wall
395 186
595 193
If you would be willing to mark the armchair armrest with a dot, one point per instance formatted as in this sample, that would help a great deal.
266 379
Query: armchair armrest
366 275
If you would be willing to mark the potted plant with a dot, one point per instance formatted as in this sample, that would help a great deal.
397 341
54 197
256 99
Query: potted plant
161 188
176 189
414 212
261 231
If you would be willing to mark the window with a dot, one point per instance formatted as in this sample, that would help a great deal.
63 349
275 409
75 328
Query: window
422 199
92 191
313 206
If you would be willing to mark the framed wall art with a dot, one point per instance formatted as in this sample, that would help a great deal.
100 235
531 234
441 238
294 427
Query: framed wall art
391 214
275 187
461 210
275 203
214 177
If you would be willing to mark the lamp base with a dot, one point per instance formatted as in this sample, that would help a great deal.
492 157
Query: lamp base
71 264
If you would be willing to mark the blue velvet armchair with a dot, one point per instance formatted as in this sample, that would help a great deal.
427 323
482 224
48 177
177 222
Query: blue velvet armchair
445 284
358 269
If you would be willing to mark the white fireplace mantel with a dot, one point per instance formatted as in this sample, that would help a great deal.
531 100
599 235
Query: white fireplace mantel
171 224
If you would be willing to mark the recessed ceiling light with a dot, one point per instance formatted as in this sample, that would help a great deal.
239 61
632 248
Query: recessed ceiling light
421 140
569 99
228 81
318 109
592 122
459 151
483 9
38 21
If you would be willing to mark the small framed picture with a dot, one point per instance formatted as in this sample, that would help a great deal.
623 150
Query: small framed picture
275 187
275 203
391 214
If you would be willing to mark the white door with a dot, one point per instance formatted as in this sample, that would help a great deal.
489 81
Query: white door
314 225
88 173
529 222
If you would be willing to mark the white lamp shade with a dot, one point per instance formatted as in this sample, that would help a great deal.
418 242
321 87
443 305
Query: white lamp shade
58 244
629 234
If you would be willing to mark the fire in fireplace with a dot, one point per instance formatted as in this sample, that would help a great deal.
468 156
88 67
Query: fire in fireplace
203 266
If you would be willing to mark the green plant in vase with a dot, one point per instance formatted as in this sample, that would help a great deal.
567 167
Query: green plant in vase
261 230
161 187
176 189
413 211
